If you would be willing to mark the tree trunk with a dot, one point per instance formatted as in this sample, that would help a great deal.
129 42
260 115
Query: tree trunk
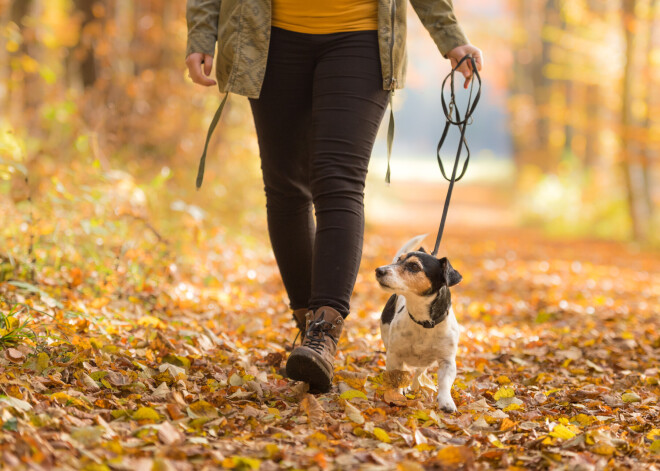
651 100
636 203
84 50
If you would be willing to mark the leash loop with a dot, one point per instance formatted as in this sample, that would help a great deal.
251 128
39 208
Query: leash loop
450 110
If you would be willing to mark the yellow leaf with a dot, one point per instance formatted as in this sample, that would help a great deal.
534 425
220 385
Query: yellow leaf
382 435
272 450
583 419
146 413
654 434
95 467
241 462
12 46
61 397
562 432
503 380
202 409
454 456
603 449
507 424
503 393
512 407
352 394
42 361
354 379
424 447
495 441
151 321
421 415
655 446
316 438
630 397
408 465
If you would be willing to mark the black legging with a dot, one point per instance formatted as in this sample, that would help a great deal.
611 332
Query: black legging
317 117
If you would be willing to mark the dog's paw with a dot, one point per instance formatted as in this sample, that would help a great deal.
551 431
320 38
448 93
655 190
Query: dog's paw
446 403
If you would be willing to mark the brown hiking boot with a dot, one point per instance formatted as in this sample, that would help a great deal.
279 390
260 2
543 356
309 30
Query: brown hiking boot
312 362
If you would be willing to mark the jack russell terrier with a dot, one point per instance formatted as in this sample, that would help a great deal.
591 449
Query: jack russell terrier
418 326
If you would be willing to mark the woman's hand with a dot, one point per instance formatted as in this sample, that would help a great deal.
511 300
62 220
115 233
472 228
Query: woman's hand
456 54
198 75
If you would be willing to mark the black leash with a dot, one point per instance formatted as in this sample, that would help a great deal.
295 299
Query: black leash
462 124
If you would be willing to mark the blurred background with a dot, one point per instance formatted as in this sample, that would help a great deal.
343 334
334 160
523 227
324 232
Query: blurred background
101 131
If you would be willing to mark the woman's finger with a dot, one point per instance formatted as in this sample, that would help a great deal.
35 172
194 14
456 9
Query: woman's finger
208 64
478 59
194 63
466 70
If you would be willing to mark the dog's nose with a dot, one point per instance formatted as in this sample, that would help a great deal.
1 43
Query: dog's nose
380 271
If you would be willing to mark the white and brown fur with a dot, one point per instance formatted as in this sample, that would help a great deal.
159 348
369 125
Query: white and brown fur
420 283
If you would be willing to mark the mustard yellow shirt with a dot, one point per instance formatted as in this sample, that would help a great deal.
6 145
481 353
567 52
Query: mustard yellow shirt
325 16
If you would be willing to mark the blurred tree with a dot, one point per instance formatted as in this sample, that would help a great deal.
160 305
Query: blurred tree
651 149
570 117
82 54
635 175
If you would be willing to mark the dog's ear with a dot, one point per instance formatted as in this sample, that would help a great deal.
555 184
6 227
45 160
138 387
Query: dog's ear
451 275
421 249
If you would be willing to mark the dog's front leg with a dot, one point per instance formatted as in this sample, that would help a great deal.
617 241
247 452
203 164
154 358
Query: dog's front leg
446 376
393 361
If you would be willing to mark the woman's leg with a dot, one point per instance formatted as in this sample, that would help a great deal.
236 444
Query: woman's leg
282 115
347 108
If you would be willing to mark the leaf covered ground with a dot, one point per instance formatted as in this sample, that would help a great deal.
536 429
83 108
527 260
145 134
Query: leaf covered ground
178 368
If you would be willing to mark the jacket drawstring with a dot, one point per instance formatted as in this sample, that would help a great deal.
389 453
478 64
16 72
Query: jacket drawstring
390 138
214 123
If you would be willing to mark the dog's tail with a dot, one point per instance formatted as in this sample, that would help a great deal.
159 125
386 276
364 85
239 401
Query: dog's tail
412 244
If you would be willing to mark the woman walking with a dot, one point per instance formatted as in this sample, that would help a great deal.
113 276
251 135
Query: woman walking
318 75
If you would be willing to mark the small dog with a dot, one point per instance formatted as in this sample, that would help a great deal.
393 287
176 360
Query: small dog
418 326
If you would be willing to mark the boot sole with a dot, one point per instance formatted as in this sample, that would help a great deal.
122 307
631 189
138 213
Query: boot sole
304 368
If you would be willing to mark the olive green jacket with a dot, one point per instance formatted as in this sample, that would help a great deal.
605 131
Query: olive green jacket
242 31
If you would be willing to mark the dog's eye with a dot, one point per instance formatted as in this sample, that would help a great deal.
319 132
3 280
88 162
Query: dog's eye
413 267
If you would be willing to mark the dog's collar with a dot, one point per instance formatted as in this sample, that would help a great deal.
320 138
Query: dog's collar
425 324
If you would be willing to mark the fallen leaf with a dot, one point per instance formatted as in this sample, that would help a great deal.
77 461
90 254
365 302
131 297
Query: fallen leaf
202 409
630 397
453 457
353 394
503 393
15 355
310 405
169 435
393 396
381 435
562 432
353 413
146 413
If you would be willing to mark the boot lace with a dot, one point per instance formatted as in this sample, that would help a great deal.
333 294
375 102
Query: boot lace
293 345
300 331
315 335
